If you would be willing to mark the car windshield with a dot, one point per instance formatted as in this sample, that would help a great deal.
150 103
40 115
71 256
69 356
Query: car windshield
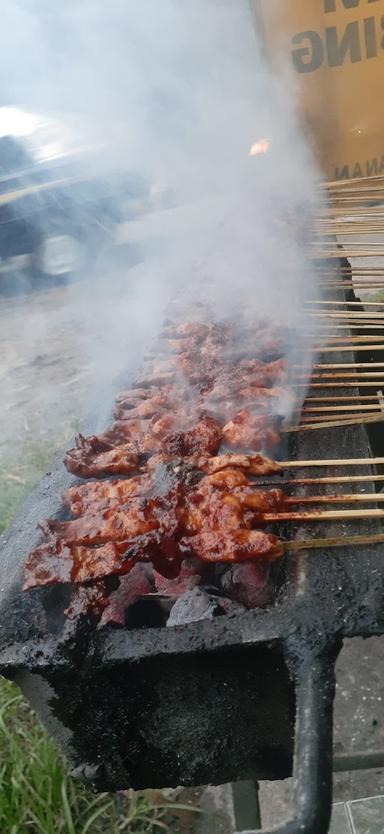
13 156
28 139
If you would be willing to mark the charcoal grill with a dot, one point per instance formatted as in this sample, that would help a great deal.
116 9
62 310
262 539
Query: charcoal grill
248 697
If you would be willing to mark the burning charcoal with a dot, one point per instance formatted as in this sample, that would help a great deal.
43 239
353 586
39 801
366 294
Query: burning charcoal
190 575
230 607
193 606
248 584
136 584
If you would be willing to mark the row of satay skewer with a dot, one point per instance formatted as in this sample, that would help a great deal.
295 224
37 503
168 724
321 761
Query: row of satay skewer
164 490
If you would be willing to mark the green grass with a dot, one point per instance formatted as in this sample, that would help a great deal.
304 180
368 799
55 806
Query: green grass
37 794
19 474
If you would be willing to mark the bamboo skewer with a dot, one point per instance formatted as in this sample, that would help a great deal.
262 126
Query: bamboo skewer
356 274
343 337
339 185
356 398
357 384
346 365
331 319
350 498
349 303
347 314
298 464
351 398
328 543
376 398
330 408
337 479
321 515
345 348
333 424
354 337
348 375
333 254
337 228
359 284
335 272
326 331
327 418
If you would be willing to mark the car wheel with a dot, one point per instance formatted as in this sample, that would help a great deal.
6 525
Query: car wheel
58 256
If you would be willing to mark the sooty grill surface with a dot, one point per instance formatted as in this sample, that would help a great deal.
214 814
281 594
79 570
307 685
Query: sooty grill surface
209 701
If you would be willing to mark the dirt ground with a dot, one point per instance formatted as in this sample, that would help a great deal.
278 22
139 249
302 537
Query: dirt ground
62 350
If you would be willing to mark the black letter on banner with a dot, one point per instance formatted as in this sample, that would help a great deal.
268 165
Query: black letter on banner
350 43
330 5
314 52
370 37
342 174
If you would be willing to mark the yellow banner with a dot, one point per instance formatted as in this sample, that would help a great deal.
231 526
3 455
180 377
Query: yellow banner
336 51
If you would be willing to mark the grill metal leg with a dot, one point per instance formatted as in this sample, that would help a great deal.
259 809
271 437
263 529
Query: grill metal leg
246 806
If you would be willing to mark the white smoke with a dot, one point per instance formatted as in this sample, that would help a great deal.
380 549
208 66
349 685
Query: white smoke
177 91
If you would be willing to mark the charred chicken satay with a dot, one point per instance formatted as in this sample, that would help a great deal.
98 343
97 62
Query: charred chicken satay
145 409
97 545
109 454
226 499
133 396
204 437
250 464
188 329
247 431
90 458
98 495
271 372
251 374
118 524
55 562
104 526
233 546
267 397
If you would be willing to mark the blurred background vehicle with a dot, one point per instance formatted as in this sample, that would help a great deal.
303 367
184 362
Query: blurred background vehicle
56 212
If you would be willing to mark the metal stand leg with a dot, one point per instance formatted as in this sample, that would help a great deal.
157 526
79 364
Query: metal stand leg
246 806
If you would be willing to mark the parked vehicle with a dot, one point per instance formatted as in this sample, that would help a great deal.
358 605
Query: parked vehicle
55 213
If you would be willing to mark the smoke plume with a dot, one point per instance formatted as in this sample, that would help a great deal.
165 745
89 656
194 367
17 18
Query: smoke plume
177 92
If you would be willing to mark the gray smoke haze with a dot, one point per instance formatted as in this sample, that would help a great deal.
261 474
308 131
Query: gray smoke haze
176 91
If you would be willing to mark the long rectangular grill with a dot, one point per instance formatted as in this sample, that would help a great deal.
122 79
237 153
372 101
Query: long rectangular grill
212 701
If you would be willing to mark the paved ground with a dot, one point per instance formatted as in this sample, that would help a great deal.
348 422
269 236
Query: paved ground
359 726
